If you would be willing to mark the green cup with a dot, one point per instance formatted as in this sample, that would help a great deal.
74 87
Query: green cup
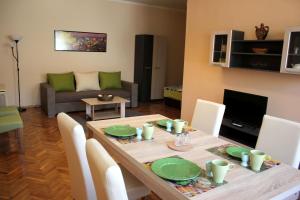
257 158
148 131
179 124
219 170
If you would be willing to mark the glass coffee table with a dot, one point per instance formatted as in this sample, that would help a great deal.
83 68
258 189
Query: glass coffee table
91 103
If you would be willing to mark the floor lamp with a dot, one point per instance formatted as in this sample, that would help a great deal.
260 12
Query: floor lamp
16 39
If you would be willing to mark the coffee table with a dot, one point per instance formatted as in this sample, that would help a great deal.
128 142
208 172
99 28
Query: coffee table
96 115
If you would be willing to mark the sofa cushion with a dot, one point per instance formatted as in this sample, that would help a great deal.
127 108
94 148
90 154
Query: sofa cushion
110 80
63 97
87 81
62 82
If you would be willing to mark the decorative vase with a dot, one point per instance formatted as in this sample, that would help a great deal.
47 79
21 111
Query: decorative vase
262 31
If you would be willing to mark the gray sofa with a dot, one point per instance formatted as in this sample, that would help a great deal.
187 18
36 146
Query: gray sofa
53 102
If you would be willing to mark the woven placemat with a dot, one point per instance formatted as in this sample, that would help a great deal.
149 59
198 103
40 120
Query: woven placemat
198 186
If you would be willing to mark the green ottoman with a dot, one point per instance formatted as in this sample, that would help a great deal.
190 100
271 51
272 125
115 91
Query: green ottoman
12 122
7 110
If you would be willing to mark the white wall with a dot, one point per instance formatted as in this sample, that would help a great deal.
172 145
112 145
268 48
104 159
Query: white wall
36 21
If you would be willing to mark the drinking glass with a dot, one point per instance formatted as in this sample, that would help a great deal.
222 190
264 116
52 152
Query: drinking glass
179 140
186 138
186 135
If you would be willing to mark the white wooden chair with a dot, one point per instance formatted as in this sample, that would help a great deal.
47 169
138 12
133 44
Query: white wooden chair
208 117
74 139
280 138
108 178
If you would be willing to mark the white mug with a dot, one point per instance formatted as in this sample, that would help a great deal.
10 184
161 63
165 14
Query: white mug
179 124
148 130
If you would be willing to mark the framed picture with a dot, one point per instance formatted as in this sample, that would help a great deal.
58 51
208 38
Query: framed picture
79 41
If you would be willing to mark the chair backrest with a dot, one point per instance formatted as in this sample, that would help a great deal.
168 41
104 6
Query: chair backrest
106 173
280 138
208 117
74 141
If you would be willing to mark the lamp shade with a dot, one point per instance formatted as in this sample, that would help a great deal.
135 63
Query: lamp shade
16 37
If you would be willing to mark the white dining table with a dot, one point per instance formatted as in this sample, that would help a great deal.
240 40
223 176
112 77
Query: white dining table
277 182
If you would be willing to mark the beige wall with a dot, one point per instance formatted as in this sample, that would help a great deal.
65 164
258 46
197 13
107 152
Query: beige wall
208 82
36 20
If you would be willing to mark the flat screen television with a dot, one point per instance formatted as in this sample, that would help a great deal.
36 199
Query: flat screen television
244 108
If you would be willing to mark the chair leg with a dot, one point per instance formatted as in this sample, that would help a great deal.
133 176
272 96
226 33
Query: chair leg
19 134
89 134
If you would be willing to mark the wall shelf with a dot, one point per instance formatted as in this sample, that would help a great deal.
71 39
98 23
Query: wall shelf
240 53
230 49
255 54
258 41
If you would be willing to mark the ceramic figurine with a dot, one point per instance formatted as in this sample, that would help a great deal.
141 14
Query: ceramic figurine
262 31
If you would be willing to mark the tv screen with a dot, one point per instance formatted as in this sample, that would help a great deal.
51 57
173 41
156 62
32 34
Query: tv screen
244 107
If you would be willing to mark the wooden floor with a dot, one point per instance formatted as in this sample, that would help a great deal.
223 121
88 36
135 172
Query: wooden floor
42 171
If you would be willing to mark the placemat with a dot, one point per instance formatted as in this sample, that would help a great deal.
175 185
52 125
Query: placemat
126 140
189 130
196 187
221 151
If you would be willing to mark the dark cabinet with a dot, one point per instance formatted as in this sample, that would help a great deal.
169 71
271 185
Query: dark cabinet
256 54
143 65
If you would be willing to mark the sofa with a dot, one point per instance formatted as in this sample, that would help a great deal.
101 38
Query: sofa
53 102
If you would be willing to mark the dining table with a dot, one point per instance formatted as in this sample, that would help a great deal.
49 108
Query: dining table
278 182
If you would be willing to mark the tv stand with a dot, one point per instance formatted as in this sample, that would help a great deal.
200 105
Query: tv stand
239 131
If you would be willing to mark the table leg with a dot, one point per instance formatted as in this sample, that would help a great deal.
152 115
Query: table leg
122 109
88 111
19 134
93 112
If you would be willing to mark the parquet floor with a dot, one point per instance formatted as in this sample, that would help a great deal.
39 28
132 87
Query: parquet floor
42 171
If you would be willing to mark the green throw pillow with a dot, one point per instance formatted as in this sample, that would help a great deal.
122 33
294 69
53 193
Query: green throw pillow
62 82
110 80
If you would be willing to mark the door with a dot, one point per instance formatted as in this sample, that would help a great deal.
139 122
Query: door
159 67
143 66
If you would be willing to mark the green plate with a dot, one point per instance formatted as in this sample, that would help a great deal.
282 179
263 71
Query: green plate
175 169
120 131
236 151
163 122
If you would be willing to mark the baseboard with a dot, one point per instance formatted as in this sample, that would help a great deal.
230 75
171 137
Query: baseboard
156 100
